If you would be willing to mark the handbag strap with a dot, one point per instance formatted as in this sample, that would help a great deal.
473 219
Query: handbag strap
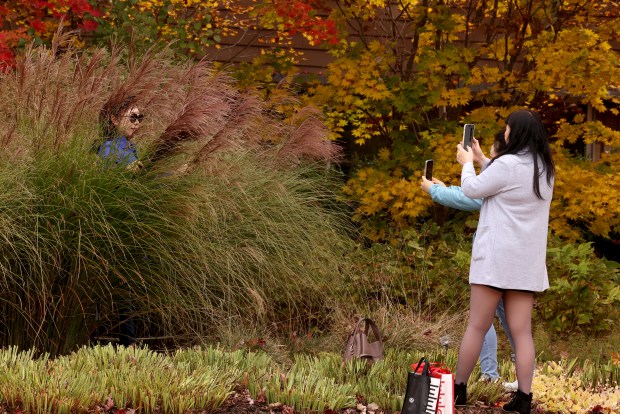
369 325
426 364
358 327
375 329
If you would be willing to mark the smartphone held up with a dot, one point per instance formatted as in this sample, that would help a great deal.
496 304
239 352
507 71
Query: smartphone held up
468 135
428 169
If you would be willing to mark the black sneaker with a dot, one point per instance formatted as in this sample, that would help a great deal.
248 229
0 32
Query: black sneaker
520 403
460 395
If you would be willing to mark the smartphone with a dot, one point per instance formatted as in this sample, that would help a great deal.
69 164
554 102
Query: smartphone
468 135
428 169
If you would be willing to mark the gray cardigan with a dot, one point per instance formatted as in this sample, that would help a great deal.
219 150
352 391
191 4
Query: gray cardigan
510 247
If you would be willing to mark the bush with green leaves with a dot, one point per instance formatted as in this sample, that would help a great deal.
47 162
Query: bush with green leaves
233 220
584 293
425 269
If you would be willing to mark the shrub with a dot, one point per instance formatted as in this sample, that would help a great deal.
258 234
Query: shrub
584 295
425 270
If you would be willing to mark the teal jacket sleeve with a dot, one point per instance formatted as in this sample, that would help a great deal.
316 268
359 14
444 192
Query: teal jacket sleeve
453 197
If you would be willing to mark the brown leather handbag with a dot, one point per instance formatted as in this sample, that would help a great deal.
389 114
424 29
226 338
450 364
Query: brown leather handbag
358 345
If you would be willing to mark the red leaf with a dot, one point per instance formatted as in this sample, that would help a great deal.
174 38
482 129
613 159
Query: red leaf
38 25
7 60
88 26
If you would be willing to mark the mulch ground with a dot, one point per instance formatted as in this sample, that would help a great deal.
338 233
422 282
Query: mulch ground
242 404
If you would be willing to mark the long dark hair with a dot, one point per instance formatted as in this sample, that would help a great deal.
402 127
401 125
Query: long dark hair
499 145
527 132
114 108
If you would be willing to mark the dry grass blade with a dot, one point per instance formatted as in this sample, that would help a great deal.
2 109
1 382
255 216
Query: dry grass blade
244 115
198 119
308 139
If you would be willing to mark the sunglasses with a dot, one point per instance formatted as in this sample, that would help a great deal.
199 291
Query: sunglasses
135 118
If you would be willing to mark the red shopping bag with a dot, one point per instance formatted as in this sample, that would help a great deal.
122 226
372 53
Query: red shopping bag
445 403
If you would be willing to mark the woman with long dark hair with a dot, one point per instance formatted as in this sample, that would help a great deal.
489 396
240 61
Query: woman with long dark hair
453 197
509 251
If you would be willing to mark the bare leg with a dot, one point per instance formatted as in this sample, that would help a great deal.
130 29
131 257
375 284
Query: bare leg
519 317
483 302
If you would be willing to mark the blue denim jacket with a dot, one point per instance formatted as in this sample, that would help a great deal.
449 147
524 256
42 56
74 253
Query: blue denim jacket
453 197
120 150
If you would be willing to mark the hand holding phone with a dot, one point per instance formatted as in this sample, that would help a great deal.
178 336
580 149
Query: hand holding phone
428 169
468 135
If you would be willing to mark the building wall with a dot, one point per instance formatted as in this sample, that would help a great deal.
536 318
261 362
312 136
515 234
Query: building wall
246 45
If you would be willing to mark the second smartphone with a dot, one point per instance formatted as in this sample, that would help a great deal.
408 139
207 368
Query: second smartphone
428 169
468 135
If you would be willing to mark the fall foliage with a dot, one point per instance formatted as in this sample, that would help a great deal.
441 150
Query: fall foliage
407 74
37 20
404 76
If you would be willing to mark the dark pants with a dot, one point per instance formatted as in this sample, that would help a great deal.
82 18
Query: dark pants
126 323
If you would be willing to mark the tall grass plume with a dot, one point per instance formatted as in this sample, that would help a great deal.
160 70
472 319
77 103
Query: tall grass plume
233 217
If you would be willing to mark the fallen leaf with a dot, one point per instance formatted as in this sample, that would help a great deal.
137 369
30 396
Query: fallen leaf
109 404
261 398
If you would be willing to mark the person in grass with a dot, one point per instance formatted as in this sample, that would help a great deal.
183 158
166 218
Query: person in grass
509 251
453 197
119 120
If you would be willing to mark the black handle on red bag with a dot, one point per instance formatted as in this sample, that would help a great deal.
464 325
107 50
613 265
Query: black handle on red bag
426 365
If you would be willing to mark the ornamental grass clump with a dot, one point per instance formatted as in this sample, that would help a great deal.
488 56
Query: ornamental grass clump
232 220
568 386
107 378
323 382
98 377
